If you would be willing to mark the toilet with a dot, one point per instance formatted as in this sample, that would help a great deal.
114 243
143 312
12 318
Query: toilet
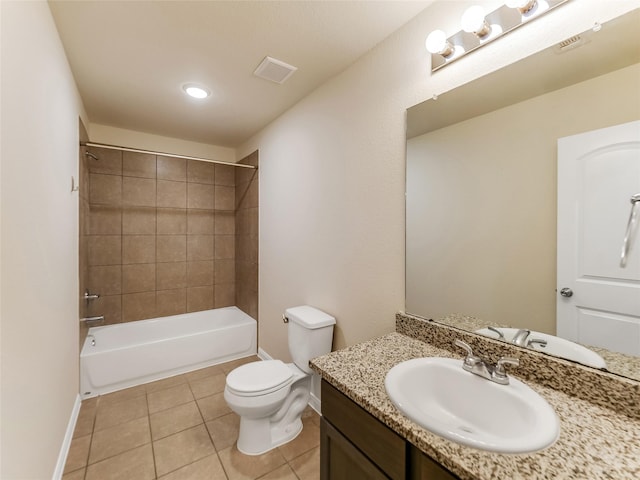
270 396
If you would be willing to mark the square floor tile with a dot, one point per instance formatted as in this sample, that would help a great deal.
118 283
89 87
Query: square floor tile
170 397
307 466
133 464
244 467
213 406
113 413
78 453
181 449
203 372
174 420
165 383
224 430
208 468
307 439
120 438
206 386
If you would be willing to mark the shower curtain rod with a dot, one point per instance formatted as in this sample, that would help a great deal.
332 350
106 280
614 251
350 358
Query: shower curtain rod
136 150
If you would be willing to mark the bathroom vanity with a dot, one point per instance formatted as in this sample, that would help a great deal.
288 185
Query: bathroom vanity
364 436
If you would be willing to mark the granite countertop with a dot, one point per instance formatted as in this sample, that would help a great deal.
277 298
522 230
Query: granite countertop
595 442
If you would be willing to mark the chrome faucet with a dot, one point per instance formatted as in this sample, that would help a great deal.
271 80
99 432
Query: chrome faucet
91 321
520 338
476 365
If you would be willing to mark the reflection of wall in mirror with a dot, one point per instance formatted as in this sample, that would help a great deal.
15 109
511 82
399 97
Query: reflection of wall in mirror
481 203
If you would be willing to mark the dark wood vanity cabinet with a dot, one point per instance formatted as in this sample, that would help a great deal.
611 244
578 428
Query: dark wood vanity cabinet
355 445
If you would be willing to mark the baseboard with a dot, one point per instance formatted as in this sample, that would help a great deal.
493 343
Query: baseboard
314 402
66 443
262 355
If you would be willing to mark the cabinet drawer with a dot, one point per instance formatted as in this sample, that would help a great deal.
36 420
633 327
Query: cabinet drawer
379 443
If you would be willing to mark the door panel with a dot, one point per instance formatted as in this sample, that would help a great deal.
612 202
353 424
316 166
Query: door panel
598 172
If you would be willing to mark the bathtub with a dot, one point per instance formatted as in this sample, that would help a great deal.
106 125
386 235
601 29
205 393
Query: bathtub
118 356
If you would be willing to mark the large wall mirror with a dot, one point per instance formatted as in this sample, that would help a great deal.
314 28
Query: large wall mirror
482 182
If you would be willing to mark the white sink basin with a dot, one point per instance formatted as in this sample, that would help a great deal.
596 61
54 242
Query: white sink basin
557 346
437 394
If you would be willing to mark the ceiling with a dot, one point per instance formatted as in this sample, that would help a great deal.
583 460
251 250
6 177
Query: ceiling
130 59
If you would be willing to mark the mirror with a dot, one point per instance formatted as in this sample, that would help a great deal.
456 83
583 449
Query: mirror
482 180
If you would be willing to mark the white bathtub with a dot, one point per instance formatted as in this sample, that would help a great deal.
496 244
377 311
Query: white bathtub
133 353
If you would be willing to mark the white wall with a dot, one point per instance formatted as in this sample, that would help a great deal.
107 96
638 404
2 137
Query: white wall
39 255
157 143
332 172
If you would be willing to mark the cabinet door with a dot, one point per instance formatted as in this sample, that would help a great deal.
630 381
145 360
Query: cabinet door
422 467
341 460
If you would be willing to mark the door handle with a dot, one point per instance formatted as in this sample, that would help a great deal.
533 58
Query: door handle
566 292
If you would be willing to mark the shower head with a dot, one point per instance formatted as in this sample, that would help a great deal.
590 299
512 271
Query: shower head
89 154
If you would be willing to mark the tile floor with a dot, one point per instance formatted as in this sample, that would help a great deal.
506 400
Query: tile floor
180 428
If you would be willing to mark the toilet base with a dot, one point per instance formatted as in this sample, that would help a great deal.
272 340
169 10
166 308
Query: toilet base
257 439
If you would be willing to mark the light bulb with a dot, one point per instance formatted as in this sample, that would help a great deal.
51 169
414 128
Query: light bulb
195 91
437 43
522 5
473 21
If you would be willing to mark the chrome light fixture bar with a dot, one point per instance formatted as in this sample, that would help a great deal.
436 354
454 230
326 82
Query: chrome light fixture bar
479 28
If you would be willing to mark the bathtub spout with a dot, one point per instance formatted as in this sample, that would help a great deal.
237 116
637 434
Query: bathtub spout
91 321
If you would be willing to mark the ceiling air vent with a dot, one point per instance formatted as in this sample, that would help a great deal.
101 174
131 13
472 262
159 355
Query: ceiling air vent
570 43
274 70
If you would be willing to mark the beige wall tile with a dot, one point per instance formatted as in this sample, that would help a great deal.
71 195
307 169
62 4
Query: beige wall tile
224 271
104 220
200 172
224 246
105 189
169 168
200 196
225 175
171 302
171 248
109 161
140 277
104 250
138 306
108 305
140 192
138 249
225 198
172 194
171 275
224 223
105 280
138 165
139 221
172 221
224 295
199 247
200 222
199 298
200 273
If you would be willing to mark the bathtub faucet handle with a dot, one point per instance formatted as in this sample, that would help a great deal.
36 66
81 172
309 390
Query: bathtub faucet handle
90 321
285 319
90 296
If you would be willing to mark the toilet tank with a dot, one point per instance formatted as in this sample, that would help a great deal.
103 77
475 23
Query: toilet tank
310 334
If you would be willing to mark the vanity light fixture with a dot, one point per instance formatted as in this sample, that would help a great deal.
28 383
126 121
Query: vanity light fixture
195 91
479 28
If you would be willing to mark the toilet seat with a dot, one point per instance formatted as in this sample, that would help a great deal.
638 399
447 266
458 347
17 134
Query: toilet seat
259 378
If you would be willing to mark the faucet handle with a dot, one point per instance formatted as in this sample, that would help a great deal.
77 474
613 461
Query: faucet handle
464 345
499 372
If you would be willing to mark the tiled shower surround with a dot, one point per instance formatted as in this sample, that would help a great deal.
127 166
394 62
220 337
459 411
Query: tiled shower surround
163 236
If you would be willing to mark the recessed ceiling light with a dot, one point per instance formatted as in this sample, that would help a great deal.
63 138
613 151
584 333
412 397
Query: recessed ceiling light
195 91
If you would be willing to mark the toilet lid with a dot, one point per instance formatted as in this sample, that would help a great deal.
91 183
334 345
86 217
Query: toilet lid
259 378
